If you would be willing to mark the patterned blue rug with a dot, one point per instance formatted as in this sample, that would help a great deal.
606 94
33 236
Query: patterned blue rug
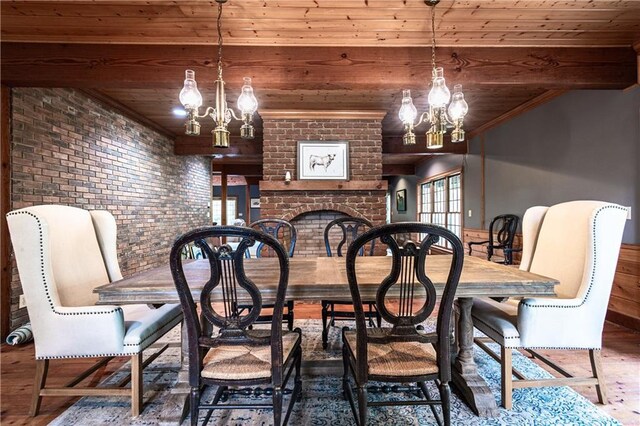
322 402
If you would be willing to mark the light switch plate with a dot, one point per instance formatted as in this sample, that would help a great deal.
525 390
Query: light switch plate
21 302
628 212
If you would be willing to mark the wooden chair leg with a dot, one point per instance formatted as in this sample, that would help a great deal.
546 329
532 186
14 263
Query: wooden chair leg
136 384
506 377
362 405
194 404
596 366
445 397
277 406
290 316
42 367
325 330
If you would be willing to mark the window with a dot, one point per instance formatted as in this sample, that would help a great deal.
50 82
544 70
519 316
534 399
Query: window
441 203
232 210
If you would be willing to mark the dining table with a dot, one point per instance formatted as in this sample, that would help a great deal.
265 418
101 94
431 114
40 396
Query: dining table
318 278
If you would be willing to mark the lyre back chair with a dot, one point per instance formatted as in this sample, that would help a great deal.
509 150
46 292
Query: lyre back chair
223 349
339 234
406 297
63 253
576 243
281 230
286 234
502 231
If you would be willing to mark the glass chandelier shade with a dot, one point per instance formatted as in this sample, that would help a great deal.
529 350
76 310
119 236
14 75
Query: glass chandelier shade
221 114
444 109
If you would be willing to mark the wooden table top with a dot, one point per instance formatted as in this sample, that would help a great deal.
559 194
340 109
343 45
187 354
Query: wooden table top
326 278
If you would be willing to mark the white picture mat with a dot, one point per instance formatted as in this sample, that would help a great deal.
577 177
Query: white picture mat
323 160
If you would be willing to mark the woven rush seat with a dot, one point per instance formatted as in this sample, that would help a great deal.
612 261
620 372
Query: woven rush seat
397 358
241 362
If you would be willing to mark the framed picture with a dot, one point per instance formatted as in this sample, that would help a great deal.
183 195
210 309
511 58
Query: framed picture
401 200
255 203
319 160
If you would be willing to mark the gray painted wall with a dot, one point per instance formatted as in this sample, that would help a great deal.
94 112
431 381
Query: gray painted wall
409 183
582 145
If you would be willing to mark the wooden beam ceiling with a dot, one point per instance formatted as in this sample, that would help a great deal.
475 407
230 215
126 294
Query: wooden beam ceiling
320 68
321 55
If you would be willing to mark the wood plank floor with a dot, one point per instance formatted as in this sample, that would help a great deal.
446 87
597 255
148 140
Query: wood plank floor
621 360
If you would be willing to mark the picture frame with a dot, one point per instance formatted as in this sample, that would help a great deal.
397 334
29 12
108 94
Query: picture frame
255 203
323 160
401 200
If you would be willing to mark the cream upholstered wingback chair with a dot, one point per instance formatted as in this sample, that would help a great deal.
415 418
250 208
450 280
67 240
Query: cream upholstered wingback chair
576 243
63 253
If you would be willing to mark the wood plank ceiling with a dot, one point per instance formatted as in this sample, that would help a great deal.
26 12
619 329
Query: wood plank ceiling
321 55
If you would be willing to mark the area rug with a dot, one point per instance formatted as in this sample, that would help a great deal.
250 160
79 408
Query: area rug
322 402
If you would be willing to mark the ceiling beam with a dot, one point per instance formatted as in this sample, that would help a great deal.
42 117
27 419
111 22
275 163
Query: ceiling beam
317 68
203 145
247 170
398 169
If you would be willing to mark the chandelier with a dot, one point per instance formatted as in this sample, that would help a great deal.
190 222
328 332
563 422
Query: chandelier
191 99
438 115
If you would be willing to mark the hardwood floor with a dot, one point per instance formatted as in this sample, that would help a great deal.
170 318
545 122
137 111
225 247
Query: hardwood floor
621 360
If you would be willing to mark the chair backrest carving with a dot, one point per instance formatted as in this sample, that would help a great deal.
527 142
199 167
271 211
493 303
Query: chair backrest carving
407 296
349 228
502 230
228 286
281 230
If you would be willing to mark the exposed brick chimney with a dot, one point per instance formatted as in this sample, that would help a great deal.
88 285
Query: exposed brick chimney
311 205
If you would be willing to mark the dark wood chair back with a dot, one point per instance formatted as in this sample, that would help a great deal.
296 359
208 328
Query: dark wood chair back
228 285
407 285
502 231
350 228
281 230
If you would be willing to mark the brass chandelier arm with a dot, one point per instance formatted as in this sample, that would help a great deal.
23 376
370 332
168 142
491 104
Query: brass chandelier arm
220 113
450 109
210 111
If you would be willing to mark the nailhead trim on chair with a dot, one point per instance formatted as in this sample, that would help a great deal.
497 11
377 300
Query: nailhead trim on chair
46 285
497 331
528 347
584 300
161 331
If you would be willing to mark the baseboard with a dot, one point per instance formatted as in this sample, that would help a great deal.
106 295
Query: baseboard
623 320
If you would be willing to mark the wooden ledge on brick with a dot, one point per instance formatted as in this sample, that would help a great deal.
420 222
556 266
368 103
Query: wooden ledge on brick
324 185
274 114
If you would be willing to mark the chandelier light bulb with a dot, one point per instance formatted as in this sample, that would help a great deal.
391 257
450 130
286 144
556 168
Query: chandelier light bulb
458 107
190 96
247 102
220 113
439 94
408 111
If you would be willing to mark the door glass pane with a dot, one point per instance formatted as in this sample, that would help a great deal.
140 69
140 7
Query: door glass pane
216 210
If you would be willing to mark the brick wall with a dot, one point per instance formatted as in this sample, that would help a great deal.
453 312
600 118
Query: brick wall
281 138
312 210
68 149
310 227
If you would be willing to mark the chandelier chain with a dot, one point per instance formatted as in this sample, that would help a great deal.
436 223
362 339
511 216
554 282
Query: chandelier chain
433 37
219 25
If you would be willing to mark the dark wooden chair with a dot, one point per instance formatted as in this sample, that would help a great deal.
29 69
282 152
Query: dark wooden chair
349 228
403 353
234 355
286 234
502 231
